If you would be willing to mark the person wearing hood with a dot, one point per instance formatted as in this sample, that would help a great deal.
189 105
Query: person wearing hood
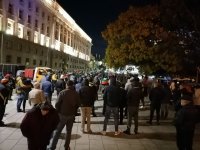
47 88
66 106
112 99
38 125
186 119
60 84
134 96
86 103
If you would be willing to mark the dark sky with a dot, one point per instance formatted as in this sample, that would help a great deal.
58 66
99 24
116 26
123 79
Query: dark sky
93 16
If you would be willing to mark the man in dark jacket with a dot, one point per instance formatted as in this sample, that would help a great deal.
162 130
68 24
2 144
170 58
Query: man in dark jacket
134 96
66 105
86 102
112 99
38 125
185 121
60 84
156 95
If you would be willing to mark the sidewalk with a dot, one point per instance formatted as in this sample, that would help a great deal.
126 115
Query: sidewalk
153 137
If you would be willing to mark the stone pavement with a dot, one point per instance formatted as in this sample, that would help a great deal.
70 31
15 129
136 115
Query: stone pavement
153 137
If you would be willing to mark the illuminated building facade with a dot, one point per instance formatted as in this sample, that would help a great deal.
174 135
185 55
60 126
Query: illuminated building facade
41 33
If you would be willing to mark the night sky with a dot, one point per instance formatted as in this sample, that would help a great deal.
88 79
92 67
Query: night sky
94 15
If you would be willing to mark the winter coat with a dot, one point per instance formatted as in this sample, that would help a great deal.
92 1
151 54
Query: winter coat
86 96
134 95
37 128
67 102
112 96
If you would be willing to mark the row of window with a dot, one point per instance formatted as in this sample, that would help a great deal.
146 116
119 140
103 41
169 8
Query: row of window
34 62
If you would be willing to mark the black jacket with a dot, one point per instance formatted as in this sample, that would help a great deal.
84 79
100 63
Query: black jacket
187 117
112 96
134 95
38 128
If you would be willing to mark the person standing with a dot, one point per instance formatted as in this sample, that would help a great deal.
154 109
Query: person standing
60 84
112 98
66 106
11 84
86 102
185 120
20 90
38 125
155 96
4 94
47 88
165 101
134 96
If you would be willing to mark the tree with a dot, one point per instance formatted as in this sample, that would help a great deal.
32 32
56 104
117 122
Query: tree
145 36
137 37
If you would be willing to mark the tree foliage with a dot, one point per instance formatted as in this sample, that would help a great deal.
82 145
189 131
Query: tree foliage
145 36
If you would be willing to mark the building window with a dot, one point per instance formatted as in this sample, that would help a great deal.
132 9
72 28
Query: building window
29 5
48 31
27 61
28 34
21 14
55 64
19 60
34 61
42 28
40 63
36 23
43 14
10 8
48 18
8 58
29 19
20 47
10 27
35 37
37 9
21 2
20 31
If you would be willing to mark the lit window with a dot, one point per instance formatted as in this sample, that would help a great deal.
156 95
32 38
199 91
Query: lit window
35 37
20 31
10 27
42 39
28 34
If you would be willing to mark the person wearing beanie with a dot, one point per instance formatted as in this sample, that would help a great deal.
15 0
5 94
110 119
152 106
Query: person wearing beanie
186 119
4 93
38 124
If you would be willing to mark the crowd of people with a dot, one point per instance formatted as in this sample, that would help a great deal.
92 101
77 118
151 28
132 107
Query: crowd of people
123 97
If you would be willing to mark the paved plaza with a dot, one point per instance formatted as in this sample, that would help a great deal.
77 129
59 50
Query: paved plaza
153 137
